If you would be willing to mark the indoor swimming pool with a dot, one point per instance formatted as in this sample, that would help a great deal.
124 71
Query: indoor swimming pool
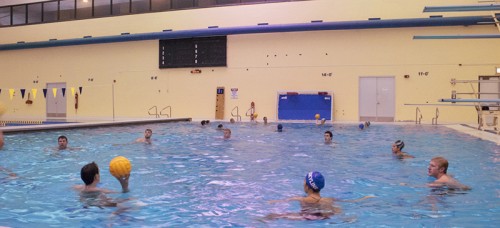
191 177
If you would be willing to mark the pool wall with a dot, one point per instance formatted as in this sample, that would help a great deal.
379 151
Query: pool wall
123 80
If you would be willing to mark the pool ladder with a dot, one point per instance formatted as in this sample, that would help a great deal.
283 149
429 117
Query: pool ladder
435 119
418 118
155 113
238 116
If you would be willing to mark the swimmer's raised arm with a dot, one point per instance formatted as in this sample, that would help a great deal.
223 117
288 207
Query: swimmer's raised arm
124 182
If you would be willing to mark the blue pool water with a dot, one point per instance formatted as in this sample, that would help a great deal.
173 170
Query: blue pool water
191 177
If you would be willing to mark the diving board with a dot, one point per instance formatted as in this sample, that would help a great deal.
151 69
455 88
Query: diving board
470 100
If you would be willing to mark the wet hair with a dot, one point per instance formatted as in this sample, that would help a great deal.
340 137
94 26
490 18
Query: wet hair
400 144
62 137
203 122
441 162
329 133
149 130
88 173
220 126
280 127
207 121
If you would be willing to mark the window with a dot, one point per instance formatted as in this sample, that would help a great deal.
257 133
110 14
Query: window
225 2
50 11
180 4
34 13
102 8
206 3
121 7
4 16
160 5
66 10
19 15
140 6
83 9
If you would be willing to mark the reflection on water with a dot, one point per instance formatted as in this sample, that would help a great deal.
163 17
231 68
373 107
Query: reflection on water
190 176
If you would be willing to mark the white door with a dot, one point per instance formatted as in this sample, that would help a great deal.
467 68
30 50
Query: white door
56 106
376 99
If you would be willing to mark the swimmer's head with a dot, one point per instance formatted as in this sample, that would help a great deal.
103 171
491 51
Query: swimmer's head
399 144
361 126
88 173
203 122
62 141
148 133
280 128
220 126
315 181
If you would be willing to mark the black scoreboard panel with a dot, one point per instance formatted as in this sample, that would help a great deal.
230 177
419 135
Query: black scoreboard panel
193 52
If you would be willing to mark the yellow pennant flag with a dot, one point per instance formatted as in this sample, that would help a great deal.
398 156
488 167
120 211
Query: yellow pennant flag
33 91
73 91
11 93
54 91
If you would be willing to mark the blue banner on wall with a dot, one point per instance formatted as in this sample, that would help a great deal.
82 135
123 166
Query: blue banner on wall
304 106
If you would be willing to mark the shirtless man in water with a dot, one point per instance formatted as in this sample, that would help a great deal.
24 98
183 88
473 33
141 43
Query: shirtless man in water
147 136
438 168
397 150
313 206
90 194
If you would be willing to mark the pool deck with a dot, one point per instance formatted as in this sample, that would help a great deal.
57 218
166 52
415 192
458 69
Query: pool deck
44 127
467 129
473 131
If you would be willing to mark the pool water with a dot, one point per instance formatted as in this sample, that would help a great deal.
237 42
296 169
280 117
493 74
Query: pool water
190 176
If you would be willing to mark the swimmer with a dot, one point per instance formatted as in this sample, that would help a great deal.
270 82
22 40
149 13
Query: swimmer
147 136
397 148
227 133
279 128
231 120
220 127
320 122
328 137
367 124
438 167
313 206
62 141
90 194
203 122
265 120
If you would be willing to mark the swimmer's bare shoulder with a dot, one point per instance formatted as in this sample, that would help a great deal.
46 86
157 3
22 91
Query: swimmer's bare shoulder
81 188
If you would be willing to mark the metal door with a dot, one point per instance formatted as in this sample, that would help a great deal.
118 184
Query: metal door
56 105
376 99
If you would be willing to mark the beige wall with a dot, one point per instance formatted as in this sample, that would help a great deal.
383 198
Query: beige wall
259 65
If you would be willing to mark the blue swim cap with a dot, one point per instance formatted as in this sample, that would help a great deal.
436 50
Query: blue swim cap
280 127
315 180
361 126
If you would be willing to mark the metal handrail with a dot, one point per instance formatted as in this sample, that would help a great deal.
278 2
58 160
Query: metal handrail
169 112
238 117
435 119
417 119
156 112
